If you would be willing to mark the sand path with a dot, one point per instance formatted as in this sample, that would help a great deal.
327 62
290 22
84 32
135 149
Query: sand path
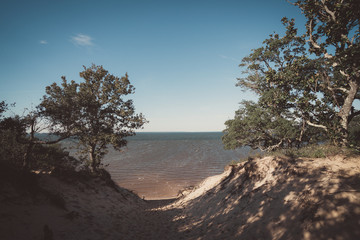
269 198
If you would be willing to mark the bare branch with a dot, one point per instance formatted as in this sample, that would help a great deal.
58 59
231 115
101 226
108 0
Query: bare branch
331 13
291 3
316 125
270 148
311 40
315 44
27 141
51 142
344 74
343 89
340 89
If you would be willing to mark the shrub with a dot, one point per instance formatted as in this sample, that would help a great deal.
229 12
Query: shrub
48 157
11 151
315 151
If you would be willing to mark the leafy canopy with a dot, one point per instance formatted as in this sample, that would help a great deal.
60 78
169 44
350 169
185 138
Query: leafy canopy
94 111
311 88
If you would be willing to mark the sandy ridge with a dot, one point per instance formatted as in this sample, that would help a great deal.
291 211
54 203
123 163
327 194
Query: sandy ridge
269 198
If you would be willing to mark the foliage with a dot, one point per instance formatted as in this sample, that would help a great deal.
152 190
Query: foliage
257 127
333 35
11 150
3 107
316 151
49 157
18 146
94 111
305 91
43 157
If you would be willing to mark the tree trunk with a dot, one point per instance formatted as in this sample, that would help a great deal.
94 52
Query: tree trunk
92 157
27 156
29 149
346 109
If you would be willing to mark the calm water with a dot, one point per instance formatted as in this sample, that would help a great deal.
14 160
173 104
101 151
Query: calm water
158 165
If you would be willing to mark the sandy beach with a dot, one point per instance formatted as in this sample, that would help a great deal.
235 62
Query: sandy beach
269 198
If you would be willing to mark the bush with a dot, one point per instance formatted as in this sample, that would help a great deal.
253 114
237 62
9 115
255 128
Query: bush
11 151
48 157
315 151
43 157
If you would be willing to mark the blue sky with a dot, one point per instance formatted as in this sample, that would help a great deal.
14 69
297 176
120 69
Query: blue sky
181 56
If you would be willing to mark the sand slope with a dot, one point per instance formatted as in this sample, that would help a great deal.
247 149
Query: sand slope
269 198
277 198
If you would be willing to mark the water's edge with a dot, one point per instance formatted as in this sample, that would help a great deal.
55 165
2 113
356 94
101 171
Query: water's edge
159 165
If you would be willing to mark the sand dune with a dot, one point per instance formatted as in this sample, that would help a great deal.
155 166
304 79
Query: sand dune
275 198
269 198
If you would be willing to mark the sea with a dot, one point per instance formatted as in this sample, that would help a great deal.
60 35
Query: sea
158 165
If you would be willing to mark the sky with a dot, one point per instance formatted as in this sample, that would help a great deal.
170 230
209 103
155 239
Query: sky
181 56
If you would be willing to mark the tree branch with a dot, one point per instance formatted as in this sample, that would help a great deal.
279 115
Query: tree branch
326 79
331 13
51 142
291 3
23 141
270 148
316 125
342 89
344 74
311 40
347 40
315 44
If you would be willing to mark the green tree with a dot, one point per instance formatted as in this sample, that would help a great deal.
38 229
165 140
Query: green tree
257 127
333 35
22 149
94 111
7 138
33 123
307 85
19 141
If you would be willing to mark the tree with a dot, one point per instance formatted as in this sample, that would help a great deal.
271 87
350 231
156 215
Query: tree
94 111
333 35
307 85
18 136
257 127
3 107
11 150
34 123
